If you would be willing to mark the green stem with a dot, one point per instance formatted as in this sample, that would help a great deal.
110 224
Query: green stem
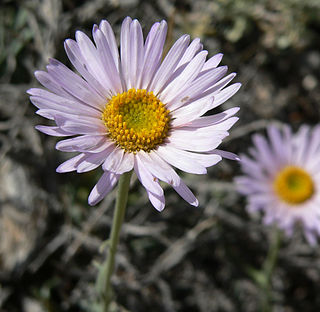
268 268
104 277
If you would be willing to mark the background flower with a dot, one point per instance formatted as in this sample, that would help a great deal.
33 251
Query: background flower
281 178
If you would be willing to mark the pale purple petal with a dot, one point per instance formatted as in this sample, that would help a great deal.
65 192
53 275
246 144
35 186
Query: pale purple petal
252 167
84 143
194 47
54 131
146 178
198 86
113 79
225 154
213 89
265 157
159 168
153 52
125 49
287 147
190 112
169 64
189 73
46 113
310 237
276 143
157 201
205 160
111 40
51 101
105 184
113 161
207 121
136 55
212 62
170 155
314 144
81 125
71 164
50 83
80 63
301 139
74 84
249 186
93 58
202 141
225 94
126 163
186 194
165 173
222 127
94 160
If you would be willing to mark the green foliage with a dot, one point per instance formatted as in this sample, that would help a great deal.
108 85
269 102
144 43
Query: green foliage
282 24
15 33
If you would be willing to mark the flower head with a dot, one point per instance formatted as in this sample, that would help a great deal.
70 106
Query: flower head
282 179
135 111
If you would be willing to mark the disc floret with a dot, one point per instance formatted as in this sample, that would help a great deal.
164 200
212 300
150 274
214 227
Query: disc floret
136 120
294 185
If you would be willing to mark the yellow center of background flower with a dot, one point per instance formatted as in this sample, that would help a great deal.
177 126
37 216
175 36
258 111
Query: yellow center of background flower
293 185
136 120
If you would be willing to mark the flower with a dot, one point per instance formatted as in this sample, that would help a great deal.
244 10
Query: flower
135 111
282 177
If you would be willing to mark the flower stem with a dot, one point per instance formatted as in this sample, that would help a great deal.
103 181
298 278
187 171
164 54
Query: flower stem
267 270
104 276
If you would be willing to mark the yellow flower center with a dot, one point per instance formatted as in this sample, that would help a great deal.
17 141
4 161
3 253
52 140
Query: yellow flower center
293 185
136 120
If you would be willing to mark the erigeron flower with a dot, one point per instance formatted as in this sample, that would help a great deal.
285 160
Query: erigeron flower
282 179
135 111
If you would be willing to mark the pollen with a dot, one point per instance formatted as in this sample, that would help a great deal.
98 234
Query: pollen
293 185
136 120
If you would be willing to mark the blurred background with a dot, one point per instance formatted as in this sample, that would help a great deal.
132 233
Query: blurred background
185 258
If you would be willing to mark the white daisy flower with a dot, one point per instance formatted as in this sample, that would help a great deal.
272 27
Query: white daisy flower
135 111
282 179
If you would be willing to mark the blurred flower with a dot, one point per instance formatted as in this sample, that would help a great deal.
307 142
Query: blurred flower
135 111
282 178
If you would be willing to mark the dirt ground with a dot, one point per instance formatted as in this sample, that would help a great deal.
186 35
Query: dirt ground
185 258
